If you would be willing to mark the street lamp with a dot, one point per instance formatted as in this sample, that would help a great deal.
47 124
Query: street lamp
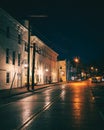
92 71
76 60
96 70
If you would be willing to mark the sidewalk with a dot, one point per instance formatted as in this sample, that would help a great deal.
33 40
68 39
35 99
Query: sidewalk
6 93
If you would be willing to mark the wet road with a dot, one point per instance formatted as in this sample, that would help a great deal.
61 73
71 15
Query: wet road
62 107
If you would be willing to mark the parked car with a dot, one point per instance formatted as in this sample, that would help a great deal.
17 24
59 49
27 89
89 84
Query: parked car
96 79
99 79
102 79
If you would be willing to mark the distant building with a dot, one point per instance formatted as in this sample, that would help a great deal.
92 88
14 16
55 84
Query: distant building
62 71
14 55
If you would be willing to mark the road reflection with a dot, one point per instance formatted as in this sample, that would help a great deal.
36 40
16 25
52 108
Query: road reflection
26 111
27 105
82 83
78 99
33 104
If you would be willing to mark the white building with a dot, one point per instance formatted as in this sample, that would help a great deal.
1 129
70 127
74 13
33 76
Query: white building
45 62
14 55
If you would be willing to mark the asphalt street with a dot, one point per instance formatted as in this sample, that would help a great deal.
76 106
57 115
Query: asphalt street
70 106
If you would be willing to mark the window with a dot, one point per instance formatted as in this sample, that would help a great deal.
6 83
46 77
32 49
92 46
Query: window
8 32
7 77
13 58
60 67
19 39
26 47
7 55
19 59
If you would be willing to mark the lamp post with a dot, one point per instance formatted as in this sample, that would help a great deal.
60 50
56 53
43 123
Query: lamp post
92 71
96 70
76 60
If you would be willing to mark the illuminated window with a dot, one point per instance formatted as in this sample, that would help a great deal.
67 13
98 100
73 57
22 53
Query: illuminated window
60 67
7 77
39 50
13 60
62 73
7 55
19 59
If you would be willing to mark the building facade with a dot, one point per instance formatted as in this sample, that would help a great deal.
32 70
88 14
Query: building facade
45 70
62 71
14 56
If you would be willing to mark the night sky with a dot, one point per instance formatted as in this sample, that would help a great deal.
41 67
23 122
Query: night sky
72 28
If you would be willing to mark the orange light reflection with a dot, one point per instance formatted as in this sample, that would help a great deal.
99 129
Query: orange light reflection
77 99
78 84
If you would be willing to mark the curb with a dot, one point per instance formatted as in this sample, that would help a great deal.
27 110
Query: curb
19 93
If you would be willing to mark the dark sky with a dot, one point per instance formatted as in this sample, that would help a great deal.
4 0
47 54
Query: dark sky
72 28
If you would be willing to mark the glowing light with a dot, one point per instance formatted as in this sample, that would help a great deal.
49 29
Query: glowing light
96 69
78 84
25 65
76 59
92 68
46 70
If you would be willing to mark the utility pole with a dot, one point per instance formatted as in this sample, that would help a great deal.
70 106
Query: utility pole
28 69
33 66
